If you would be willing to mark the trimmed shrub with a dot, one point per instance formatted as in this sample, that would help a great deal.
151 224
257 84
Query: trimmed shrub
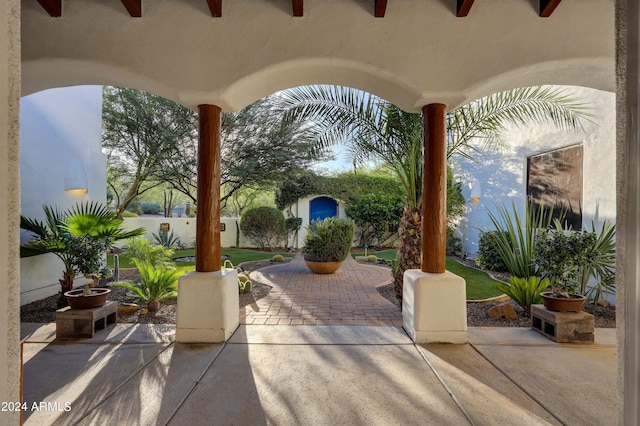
264 226
150 207
488 256
372 258
278 258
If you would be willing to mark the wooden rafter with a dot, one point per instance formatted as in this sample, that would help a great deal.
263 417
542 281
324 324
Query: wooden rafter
298 7
463 7
547 7
53 7
134 7
380 8
215 6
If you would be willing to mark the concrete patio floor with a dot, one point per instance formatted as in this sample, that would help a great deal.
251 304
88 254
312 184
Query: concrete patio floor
137 375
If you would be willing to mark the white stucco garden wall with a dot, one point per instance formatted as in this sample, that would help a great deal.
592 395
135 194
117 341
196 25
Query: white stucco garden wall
60 131
502 177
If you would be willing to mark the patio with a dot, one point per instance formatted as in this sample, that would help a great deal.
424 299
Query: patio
300 297
137 374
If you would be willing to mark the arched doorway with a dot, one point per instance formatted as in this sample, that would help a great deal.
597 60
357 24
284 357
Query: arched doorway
322 207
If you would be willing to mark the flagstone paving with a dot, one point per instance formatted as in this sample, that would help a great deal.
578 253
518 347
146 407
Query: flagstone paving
300 297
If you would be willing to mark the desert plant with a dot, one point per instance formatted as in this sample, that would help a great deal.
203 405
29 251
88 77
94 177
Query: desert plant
244 283
142 249
166 239
488 256
600 263
372 258
127 213
524 291
157 284
277 258
79 237
264 226
515 240
329 239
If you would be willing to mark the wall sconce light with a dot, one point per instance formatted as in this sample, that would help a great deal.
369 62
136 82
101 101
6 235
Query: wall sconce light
75 178
476 192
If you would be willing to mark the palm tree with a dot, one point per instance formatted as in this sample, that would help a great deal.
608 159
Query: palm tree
79 237
372 128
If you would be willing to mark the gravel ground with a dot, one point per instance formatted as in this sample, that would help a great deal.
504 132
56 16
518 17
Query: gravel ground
43 311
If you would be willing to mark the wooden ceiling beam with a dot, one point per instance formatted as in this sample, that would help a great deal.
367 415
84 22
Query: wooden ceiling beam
53 7
380 8
298 7
547 7
134 7
215 6
463 7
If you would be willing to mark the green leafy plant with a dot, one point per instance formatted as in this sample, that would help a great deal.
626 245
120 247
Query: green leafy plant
166 239
488 256
375 214
329 239
143 250
559 254
157 284
79 237
515 240
150 207
264 226
524 291
372 258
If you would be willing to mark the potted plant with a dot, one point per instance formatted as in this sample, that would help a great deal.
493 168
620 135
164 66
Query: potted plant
327 244
79 237
559 254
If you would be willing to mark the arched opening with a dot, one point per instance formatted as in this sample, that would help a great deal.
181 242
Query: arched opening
322 207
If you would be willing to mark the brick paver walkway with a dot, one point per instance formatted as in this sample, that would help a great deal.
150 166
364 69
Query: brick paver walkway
300 297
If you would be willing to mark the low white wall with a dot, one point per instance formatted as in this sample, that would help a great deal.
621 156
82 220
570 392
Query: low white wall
185 229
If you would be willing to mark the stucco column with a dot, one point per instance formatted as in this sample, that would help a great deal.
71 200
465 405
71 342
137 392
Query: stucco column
208 256
10 206
208 297
628 211
434 189
434 301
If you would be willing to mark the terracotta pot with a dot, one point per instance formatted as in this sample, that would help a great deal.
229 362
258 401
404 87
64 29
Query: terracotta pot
96 297
561 304
321 266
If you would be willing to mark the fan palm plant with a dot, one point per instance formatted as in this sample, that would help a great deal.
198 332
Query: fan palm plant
157 284
79 237
373 128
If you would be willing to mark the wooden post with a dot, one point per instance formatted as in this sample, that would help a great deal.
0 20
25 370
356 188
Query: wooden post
434 190
208 258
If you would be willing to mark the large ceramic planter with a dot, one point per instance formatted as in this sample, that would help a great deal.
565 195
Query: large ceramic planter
321 266
96 298
563 304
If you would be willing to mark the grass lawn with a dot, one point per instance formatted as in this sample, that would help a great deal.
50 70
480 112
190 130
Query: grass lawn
236 256
478 282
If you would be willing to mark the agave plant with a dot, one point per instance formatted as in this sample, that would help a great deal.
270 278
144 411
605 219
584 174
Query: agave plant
524 291
157 284
79 237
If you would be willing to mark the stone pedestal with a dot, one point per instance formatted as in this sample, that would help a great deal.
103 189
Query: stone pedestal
434 307
563 327
207 306
85 323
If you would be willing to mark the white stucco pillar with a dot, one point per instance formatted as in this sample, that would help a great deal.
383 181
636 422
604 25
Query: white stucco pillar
628 210
9 206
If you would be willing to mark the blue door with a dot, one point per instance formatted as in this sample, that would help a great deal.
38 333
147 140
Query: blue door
322 208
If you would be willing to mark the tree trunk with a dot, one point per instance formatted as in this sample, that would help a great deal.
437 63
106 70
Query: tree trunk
409 247
66 284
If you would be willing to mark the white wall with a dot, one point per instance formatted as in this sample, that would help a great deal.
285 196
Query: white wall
185 229
503 176
59 128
